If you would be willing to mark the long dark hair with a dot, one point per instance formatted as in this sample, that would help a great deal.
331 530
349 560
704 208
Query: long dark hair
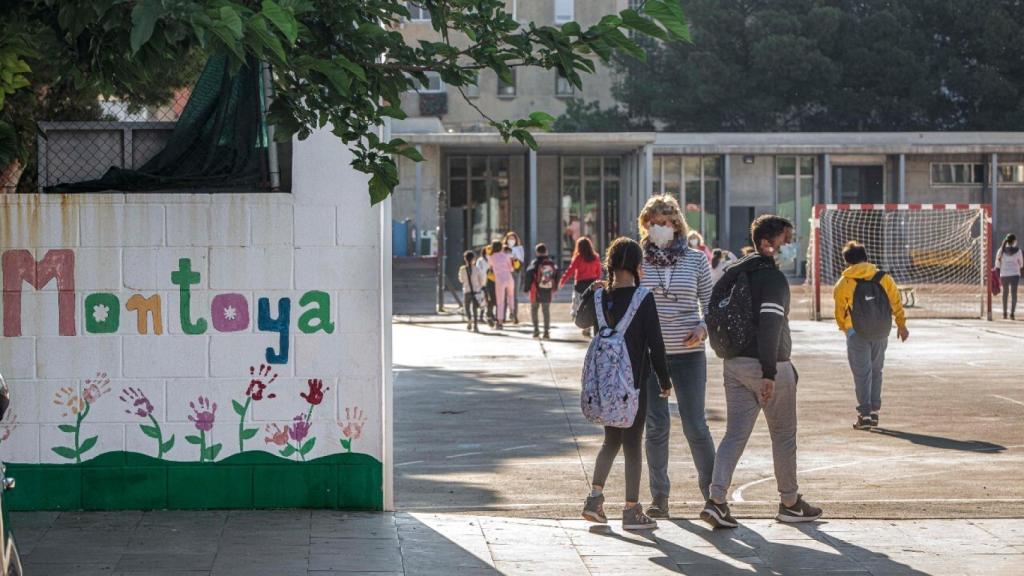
584 249
624 254
716 256
1009 238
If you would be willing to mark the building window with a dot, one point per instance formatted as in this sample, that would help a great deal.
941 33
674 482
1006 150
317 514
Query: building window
417 13
696 182
1011 173
565 11
949 173
794 199
590 202
506 89
481 184
472 89
563 87
434 84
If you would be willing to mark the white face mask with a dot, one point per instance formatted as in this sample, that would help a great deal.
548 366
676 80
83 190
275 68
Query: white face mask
661 236
694 242
787 252
511 241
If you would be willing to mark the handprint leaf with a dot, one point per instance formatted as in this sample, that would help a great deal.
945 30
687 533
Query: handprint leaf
151 431
166 446
67 428
239 409
65 452
212 451
249 433
193 439
288 451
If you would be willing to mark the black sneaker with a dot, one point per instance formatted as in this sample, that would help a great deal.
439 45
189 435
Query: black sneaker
863 423
635 519
658 507
717 515
799 512
593 509
874 419
547 336
536 334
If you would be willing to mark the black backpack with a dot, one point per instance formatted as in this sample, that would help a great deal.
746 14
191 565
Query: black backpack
730 315
870 310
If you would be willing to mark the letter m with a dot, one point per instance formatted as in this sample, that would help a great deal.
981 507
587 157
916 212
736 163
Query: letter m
19 265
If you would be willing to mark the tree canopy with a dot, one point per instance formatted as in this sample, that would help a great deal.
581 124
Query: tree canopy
842 65
341 63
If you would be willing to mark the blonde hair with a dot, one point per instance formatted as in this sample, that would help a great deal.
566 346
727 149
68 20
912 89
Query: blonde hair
663 205
694 233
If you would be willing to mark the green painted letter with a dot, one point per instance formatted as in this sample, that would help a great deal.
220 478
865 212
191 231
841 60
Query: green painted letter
319 318
185 278
102 313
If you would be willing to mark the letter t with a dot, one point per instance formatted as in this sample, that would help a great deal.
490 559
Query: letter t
185 278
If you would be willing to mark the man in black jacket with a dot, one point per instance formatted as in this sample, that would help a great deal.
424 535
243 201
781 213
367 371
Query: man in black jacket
762 377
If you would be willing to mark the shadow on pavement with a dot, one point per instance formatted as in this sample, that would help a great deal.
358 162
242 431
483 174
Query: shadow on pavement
455 430
940 441
749 550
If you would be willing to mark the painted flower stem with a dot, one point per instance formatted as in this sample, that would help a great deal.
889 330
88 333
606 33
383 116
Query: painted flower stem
202 446
241 425
159 437
78 431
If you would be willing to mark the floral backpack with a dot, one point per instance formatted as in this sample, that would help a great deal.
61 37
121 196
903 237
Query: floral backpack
610 396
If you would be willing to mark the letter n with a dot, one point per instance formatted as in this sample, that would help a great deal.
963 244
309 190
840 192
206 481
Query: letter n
19 265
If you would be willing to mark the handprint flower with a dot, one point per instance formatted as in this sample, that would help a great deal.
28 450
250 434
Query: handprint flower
138 403
278 435
205 412
351 427
69 401
204 415
259 379
96 388
316 391
300 428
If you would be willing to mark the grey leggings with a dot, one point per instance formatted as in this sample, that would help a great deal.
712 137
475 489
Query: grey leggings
1010 284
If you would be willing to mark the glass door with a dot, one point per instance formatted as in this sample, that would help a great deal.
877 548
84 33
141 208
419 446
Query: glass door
695 181
480 184
590 202
794 198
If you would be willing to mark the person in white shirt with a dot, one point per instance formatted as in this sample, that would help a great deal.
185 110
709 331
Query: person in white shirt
473 280
512 242
719 260
1009 260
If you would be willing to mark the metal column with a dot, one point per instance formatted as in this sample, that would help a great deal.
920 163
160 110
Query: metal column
532 189
724 206
901 189
417 194
826 170
995 191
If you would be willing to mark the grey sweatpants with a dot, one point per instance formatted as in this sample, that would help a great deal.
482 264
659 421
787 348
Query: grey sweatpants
742 391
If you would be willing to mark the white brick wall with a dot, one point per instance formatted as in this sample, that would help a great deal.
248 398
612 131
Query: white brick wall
323 236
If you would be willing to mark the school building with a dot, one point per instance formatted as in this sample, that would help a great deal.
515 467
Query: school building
472 187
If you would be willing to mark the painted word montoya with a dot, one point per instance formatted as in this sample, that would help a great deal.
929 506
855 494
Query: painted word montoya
228 312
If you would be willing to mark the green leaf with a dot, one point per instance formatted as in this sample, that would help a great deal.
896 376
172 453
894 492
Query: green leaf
151 431
379 189
193 439
288 451
258 26
238 407
335 75
670 15
87 444
228 39
249 433
65 452
411 153
212 451
392 112
67 428
144 17
231 21
283 20
542 118
307 446
166 446
346 443
632 20
351 66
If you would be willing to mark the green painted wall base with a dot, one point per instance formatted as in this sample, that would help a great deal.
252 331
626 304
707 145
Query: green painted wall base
130 481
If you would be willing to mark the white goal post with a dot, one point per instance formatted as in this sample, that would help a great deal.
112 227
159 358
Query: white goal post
939 254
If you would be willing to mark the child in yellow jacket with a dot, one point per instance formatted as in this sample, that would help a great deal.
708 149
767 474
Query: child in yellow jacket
866 343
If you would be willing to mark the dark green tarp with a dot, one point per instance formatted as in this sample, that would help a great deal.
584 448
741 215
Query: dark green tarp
218 141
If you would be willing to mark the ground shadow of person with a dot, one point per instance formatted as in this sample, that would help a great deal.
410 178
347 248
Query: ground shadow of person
940 441
748 551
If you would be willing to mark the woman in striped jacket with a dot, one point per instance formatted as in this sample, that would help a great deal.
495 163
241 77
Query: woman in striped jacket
680 278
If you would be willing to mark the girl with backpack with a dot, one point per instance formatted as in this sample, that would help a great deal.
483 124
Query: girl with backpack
631 310
679 275
503 268
513 245
540 281
1009 261
473 280
584 268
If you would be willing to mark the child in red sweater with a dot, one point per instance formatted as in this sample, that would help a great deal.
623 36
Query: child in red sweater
584 269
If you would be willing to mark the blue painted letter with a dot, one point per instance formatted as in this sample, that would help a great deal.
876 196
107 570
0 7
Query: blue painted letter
279 325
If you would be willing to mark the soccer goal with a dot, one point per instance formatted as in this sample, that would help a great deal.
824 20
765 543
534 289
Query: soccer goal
939 254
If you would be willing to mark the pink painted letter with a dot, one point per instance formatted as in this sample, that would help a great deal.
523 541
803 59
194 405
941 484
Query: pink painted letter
19 265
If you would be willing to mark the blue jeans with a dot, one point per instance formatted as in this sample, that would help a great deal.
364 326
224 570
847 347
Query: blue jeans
689 373
867 358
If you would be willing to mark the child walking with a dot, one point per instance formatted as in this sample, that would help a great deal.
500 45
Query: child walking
504 282
541 284
473 280
643 340
584 268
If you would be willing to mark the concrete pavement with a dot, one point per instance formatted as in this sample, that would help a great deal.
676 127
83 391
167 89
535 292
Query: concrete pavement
324 543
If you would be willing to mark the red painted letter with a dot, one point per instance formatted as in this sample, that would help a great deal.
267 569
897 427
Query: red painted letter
19 265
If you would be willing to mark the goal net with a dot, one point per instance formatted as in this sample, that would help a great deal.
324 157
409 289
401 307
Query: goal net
937 253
